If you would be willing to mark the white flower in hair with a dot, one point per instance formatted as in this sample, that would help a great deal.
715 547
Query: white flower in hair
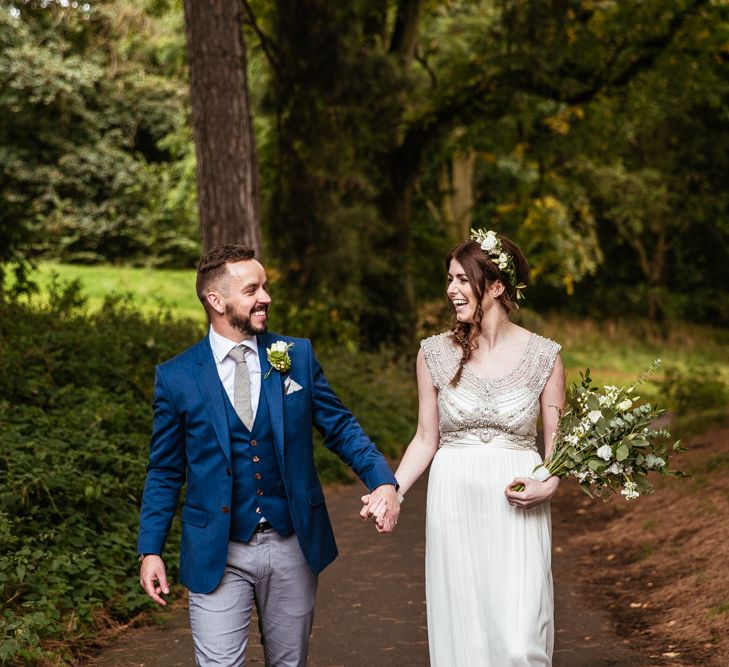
493 249
490 242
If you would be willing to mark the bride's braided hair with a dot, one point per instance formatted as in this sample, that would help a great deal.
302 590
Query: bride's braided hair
481 271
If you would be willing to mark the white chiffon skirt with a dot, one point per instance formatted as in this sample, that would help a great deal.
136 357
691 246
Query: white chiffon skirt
488 565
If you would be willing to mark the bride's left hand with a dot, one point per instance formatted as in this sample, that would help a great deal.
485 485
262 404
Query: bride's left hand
534 492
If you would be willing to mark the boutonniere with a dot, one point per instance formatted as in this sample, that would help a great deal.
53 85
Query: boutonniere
278 357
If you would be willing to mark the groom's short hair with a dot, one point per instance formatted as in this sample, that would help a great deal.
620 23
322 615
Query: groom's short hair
213 266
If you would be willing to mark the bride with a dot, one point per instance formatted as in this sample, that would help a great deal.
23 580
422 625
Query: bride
481 387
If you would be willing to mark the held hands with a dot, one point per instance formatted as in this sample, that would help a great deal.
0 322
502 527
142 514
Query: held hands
383 506
153 570
534 492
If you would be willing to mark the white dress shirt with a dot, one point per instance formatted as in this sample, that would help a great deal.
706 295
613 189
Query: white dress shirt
226 366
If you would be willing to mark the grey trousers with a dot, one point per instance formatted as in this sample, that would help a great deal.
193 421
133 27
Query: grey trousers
271 572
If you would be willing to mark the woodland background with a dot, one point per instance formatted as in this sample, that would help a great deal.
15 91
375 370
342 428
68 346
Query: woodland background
352 143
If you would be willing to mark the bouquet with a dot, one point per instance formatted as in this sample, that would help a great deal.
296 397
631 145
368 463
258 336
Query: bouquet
608 442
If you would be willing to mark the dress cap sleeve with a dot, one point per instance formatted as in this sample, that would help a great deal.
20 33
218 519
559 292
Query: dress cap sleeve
441 358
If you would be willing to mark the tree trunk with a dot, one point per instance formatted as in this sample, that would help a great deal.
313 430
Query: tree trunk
227 164
456 182
656 278
405 34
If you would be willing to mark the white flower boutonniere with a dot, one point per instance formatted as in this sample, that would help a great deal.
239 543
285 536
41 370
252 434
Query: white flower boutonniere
278 357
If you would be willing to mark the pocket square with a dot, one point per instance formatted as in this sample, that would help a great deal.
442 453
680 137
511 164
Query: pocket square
290 386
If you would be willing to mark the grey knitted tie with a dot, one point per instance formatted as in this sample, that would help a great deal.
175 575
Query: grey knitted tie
242 386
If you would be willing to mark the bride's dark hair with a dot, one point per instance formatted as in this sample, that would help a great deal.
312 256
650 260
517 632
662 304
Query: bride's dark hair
481 272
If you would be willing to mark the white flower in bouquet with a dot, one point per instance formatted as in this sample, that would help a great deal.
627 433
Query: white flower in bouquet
594 416
605 452
630 490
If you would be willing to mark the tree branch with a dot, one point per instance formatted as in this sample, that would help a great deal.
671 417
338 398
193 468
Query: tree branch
482 97
611 76
270 50
405 33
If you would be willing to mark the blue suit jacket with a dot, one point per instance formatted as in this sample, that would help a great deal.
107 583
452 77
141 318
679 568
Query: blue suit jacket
191 443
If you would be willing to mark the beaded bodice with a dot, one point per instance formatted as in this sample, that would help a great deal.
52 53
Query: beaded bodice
480 410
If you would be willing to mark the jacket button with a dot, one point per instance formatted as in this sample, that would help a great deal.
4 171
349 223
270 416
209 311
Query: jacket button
258 475
254 443
256 459
226 509
259 492
258 510
228 472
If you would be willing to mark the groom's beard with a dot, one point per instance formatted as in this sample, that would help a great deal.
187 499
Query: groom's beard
243 323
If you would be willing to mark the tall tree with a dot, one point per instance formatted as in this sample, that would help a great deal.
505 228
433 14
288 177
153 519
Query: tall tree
360 114
227 164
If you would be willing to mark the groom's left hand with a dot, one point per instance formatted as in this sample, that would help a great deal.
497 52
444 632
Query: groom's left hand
383 505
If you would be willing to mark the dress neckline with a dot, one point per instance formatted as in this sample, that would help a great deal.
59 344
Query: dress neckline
509 373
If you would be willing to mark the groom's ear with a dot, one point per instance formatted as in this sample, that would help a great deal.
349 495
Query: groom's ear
215 301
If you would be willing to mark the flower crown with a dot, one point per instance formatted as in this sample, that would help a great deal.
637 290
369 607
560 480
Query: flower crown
494 250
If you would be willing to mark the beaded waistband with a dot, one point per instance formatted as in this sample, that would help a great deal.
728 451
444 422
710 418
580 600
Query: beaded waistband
487 438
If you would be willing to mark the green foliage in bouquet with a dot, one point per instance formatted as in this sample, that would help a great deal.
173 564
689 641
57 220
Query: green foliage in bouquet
608 442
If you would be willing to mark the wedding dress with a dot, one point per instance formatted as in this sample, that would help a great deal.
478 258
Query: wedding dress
488 565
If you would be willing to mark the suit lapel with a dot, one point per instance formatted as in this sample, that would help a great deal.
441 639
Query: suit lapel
212 390
272 393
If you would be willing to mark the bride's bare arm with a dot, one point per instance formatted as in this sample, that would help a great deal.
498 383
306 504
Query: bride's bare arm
423 446
551 402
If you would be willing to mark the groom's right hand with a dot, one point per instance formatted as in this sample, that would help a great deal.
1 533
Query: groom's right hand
153 578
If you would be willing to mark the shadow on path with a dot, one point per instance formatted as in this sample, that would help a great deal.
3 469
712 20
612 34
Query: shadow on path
371 603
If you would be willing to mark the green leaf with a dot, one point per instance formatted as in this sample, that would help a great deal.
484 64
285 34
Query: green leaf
596 465
622 453
586 489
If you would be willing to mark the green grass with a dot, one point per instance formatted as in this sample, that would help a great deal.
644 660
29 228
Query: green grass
152 289
618 351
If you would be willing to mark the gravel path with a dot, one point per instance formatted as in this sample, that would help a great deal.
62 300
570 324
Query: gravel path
371 601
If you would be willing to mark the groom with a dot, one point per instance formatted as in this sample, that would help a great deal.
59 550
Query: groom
238 430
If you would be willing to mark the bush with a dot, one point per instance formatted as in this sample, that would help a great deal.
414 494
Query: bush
694 390
696 395
74 431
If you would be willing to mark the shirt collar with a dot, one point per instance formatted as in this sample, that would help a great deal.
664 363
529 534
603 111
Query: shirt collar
222 345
